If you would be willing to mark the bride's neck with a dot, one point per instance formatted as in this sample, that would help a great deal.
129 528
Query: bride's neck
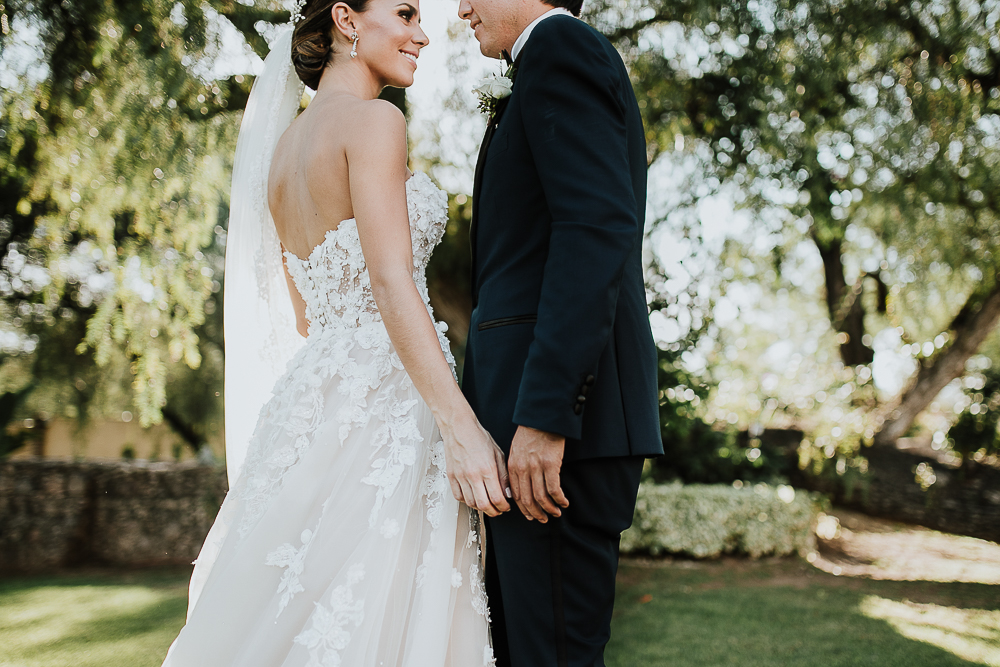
350 77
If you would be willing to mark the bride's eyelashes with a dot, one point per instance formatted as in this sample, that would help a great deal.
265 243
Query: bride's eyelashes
408 12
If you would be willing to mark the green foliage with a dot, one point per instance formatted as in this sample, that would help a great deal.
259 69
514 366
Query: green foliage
10 403
708 520
113 182
975 432
865 131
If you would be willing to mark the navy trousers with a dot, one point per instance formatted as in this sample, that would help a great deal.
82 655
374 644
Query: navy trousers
552 586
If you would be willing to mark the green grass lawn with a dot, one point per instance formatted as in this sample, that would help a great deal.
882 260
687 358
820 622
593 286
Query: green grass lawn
785 613
774 613
91 620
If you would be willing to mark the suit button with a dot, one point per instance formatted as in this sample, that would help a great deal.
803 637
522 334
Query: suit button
581 399
578 408
590 380
584 389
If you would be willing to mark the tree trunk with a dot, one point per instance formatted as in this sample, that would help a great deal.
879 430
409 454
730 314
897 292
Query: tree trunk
969 329
847 313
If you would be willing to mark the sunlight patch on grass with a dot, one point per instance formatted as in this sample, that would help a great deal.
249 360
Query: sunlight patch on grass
971 634
84 625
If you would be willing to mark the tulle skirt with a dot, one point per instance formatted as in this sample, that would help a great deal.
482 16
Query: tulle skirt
340 542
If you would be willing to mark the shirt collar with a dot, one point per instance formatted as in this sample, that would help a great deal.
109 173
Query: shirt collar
519 44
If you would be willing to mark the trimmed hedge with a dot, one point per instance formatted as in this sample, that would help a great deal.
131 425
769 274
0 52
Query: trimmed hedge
707 520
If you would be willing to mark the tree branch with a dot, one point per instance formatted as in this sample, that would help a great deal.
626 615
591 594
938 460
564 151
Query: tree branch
970 327
244 19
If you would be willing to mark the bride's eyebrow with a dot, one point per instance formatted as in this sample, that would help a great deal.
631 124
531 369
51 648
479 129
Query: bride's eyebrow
411 8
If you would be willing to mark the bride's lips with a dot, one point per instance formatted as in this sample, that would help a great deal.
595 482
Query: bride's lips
412 57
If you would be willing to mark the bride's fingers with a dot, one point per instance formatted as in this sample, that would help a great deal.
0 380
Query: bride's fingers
456 488
494 491
504 475
467 496
483 498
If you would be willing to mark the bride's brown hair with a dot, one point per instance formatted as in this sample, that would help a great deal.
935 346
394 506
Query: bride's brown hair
312 39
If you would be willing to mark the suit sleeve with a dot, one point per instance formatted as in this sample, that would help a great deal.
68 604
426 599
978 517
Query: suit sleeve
574 113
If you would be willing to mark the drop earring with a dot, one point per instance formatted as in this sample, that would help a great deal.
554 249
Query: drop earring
354 46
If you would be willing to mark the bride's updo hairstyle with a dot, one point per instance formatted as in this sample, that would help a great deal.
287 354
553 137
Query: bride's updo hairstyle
312 39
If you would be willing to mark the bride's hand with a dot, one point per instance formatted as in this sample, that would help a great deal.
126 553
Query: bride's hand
476 467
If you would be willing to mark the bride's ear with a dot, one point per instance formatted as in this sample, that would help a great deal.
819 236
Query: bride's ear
343 20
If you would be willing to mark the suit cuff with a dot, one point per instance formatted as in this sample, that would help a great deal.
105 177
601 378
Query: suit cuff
556 414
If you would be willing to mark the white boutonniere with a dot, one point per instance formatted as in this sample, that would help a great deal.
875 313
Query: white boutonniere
492 89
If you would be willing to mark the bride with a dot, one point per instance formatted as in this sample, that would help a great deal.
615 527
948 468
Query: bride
339 542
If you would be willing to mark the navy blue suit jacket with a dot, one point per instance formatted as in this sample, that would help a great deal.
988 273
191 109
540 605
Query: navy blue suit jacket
560 338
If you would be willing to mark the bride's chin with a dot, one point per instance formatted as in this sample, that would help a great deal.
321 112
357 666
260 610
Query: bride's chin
401 82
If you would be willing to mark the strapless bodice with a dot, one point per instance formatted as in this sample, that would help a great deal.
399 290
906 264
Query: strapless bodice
333 280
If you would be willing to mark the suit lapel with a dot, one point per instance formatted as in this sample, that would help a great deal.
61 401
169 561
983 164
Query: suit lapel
478 181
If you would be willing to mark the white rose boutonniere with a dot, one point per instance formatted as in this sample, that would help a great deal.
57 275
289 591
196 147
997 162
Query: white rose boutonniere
491 90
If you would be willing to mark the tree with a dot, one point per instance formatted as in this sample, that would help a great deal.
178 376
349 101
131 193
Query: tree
113 204
113 184
880 116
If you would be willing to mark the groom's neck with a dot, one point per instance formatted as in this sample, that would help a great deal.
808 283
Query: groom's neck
527 11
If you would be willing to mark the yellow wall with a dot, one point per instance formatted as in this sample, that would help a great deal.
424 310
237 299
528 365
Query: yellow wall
108 439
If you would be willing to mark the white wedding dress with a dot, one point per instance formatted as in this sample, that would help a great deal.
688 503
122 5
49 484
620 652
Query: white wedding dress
340 543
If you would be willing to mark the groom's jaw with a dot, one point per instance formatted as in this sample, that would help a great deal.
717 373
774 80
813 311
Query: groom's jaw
498 23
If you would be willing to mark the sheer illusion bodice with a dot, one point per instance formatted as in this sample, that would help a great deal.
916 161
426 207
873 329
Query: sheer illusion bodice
340 542
333 279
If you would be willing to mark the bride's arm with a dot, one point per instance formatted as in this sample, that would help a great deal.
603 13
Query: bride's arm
301 323
377 166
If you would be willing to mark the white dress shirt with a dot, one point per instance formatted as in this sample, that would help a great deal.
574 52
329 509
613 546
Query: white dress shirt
523 38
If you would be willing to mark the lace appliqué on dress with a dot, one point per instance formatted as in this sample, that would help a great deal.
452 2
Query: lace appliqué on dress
334 283
293 560
328 635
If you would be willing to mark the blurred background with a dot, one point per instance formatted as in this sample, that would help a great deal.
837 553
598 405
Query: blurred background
822 244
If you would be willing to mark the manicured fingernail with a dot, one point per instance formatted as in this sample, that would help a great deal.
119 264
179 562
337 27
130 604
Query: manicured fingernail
508 493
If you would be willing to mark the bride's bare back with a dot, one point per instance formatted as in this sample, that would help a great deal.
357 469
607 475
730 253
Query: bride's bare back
345 157
308 186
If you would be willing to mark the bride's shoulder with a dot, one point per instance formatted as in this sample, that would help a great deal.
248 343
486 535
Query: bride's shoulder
376 125
375 117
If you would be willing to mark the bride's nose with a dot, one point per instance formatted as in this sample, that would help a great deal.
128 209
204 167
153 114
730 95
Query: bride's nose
421 39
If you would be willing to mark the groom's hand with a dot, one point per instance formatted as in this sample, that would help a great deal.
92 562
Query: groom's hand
534 464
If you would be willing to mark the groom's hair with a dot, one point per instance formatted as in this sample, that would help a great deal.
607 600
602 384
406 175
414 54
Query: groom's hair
574 6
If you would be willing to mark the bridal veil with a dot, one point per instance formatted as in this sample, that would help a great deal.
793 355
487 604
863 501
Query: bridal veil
260 333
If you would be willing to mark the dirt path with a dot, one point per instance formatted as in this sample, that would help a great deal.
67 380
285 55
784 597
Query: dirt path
879 549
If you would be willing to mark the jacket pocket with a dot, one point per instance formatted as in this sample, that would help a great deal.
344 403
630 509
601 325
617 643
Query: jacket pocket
504 321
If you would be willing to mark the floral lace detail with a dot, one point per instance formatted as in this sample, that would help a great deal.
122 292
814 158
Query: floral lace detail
435 485
327 637
333 280
480 603
293 560
397 435
344 319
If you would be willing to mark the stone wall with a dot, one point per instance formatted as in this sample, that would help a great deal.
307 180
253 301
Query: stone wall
963 500
56 514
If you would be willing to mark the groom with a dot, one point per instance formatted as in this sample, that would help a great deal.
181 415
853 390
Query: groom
560 365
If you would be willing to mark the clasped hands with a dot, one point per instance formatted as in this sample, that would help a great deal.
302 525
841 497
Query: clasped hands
480 478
